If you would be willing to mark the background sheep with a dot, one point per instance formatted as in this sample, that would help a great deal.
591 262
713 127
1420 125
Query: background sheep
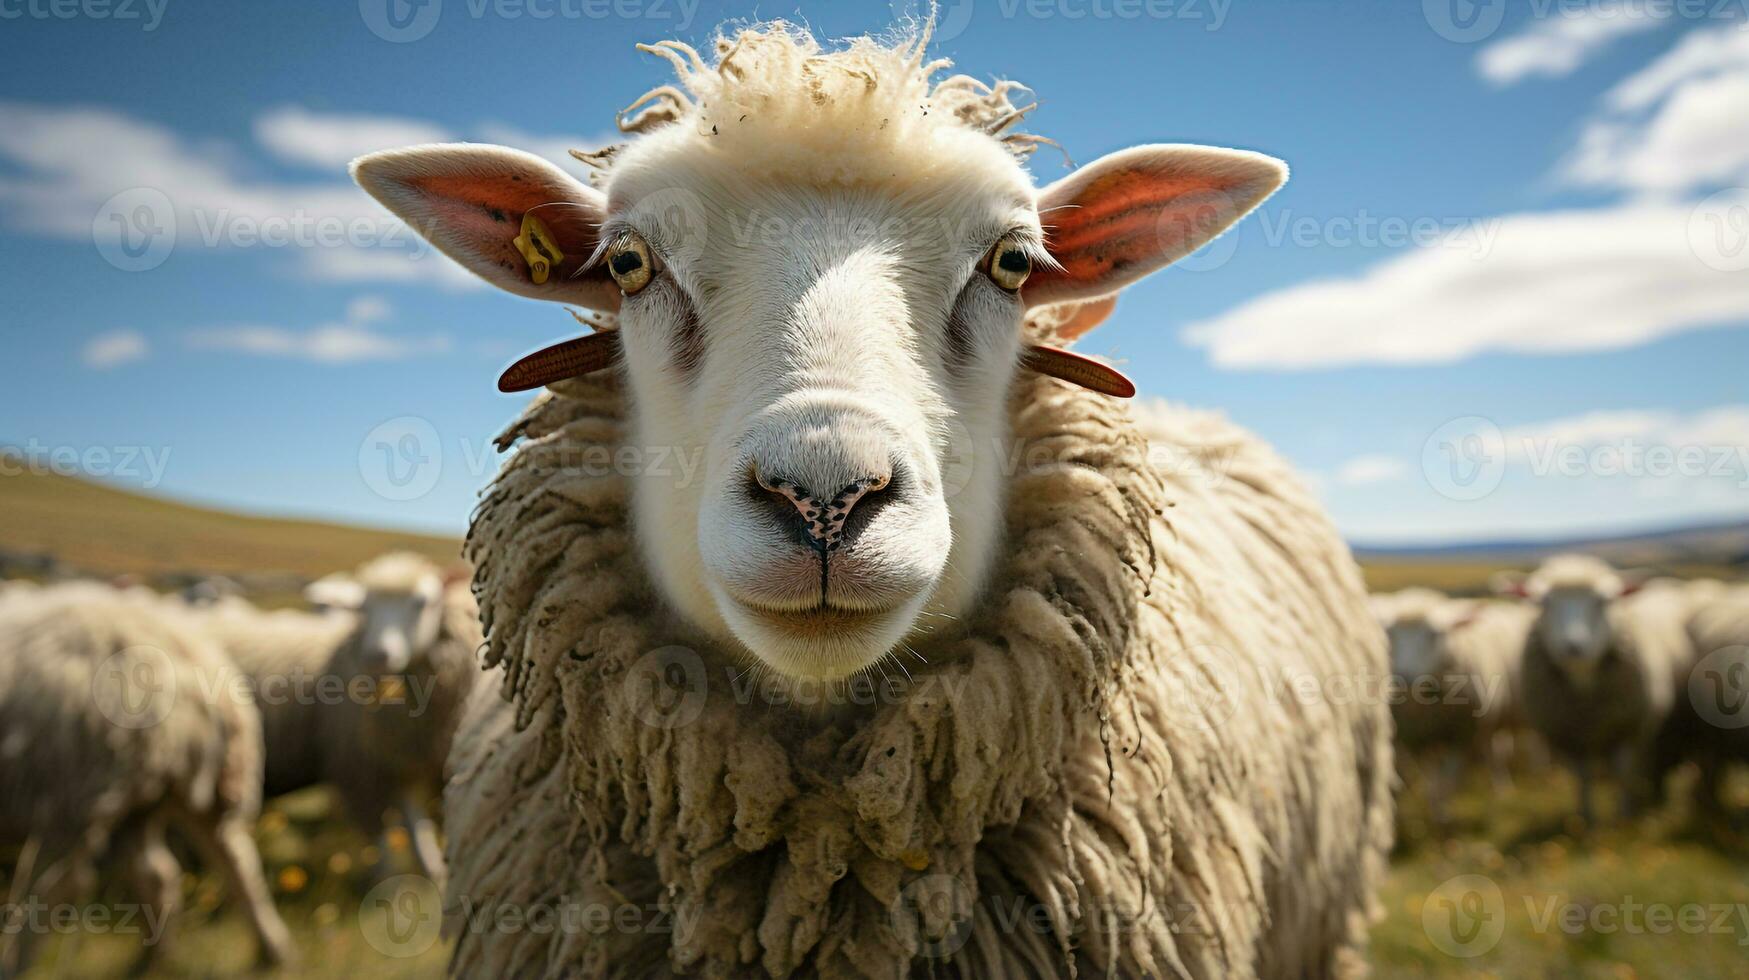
1602 668
1132 733
1456 662
1710 721
117 721
364 701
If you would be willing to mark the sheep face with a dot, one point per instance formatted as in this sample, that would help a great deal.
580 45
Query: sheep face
399 601
819 300
1417 648
1575 629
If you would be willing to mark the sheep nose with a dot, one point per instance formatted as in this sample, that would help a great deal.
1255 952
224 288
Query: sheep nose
823 522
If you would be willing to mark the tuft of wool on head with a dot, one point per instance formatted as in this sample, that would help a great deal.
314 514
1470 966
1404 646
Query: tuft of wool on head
776 101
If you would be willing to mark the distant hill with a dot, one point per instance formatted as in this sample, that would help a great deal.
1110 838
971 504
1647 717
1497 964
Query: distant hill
52 524
1715 550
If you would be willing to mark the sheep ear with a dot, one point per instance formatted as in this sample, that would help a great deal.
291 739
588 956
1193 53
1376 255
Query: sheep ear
336 591
1138 210
471 201
1511 583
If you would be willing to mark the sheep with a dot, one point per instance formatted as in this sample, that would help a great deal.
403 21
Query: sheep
1455 662
365 701
1710 722
1137 707
1601 669
116 725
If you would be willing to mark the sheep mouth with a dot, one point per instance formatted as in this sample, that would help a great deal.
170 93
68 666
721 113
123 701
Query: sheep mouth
821 620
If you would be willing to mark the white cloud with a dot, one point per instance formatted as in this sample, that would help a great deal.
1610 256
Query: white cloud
112 349
330 343
1373 468
73 160
1678 124
1554 46
334 343
367 309
330 141
1552 282
1724 426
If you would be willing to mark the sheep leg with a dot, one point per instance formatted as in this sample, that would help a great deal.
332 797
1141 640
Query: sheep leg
156 877
1501 747
423 832
1443 785
1629 765
228 843
1582 769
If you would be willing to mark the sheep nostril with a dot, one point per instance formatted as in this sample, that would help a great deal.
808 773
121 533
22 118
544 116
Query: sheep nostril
822 524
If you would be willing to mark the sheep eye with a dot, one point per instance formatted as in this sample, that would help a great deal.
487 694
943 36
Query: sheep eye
630 263
1008 265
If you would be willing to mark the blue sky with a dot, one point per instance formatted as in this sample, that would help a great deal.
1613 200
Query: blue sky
1504 293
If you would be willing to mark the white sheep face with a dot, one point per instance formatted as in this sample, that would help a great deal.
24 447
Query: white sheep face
1575 628
398 622
1417 649
816 343
824 337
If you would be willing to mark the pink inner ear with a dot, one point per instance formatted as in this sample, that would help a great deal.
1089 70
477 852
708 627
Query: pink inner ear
484 214
1126 223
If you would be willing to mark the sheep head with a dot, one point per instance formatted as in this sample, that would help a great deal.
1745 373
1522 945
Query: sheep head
399 598
1575 593
819 266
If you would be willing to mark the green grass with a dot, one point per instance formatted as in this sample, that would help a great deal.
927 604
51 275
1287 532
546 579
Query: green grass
1567 903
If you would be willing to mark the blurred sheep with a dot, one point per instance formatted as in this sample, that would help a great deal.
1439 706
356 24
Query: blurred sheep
1456 664
1601 668
117 723
365 695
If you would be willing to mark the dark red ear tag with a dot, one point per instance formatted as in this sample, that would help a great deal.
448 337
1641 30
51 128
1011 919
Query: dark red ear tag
1078 370
587 354
570 359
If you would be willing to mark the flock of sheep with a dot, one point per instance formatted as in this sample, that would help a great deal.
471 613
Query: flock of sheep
1602 669
126 715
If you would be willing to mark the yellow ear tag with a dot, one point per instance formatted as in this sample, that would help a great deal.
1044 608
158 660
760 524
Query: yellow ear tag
538 248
